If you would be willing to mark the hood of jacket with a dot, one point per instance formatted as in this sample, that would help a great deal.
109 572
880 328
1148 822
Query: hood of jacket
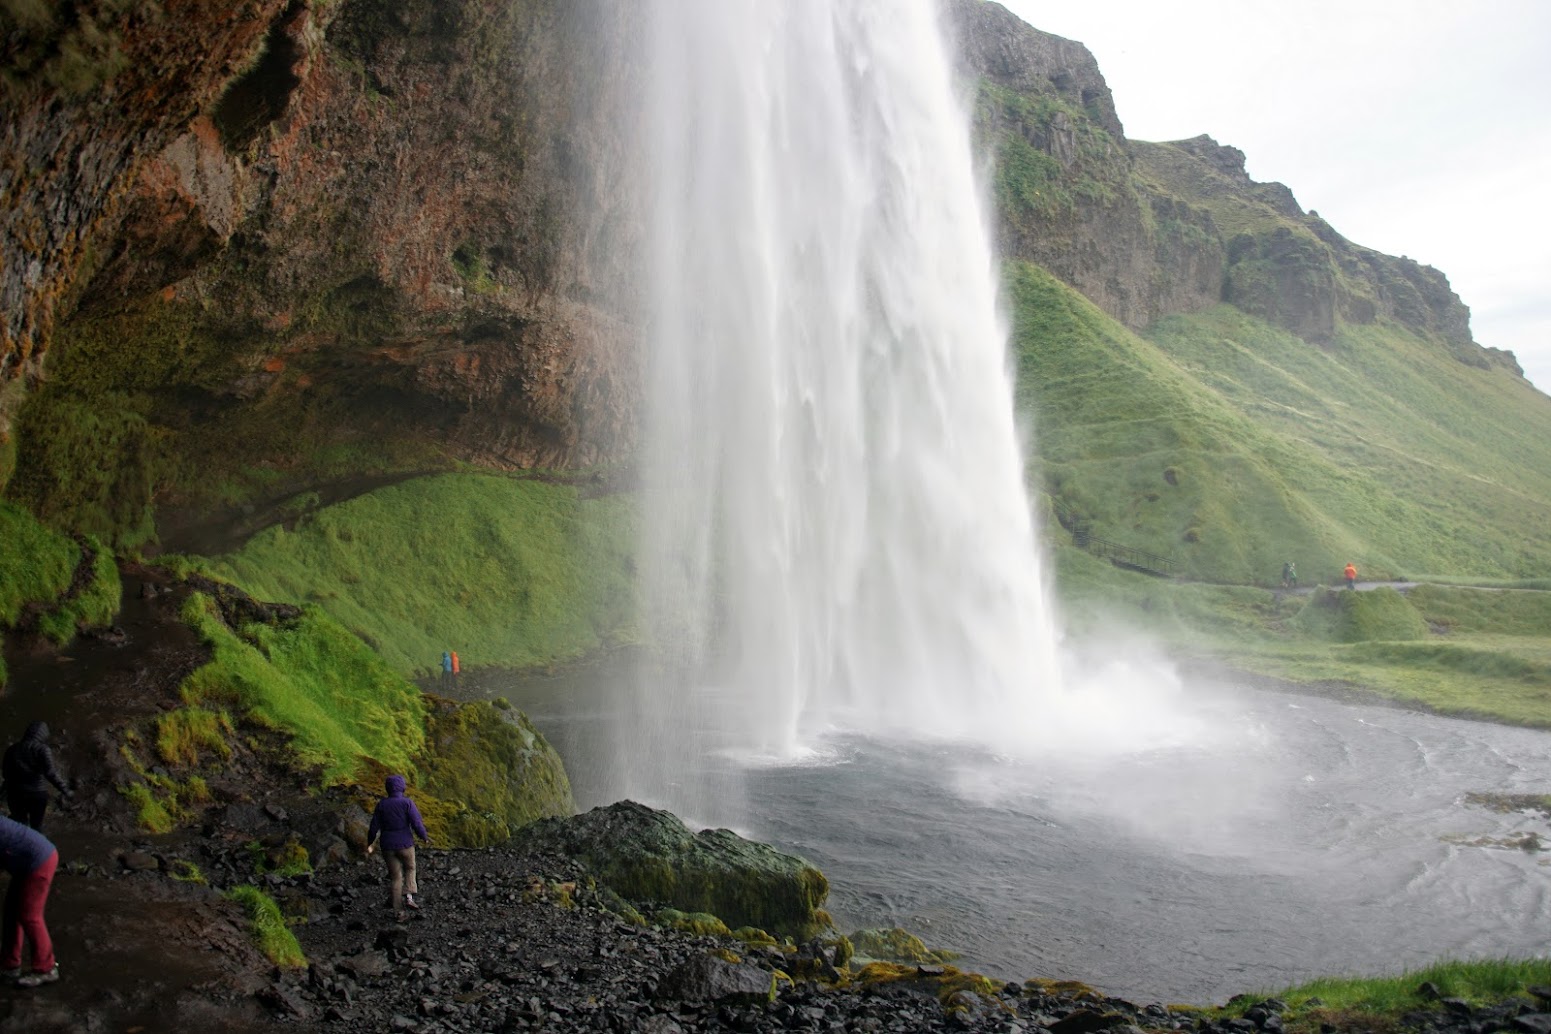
36 731
395 785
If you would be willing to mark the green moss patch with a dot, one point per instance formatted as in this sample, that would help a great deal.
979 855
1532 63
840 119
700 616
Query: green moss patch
895 945
312 679
488 772
270 933
92 604
36 564
508 572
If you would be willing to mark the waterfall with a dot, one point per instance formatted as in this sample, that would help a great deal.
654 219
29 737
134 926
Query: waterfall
836 533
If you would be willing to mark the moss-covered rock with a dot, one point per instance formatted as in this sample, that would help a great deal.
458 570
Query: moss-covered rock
895 945
1344 616
490 773
650 857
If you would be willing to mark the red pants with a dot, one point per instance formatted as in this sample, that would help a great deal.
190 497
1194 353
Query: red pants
23 918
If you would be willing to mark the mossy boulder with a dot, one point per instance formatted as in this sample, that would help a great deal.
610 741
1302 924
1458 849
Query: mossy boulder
1345 616
651 858
487 772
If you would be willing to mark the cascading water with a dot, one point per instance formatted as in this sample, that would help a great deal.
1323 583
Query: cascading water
836 530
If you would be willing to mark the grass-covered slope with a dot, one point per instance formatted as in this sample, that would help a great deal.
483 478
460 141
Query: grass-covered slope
1231 446
507 572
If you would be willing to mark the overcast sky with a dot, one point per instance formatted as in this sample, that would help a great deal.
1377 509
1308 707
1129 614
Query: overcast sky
1414 127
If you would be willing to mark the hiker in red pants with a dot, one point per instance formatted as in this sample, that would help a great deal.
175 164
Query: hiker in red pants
31 860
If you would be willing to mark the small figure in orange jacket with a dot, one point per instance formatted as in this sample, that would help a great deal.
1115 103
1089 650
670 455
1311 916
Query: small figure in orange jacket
1351 576
456 667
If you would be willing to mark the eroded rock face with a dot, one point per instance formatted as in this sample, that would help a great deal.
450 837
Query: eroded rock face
1146 230
412 220
91 94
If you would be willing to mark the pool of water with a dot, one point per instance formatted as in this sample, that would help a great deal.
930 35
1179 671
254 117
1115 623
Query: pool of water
1289 837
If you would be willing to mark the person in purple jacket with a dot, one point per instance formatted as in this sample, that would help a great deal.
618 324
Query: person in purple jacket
31 860
398 820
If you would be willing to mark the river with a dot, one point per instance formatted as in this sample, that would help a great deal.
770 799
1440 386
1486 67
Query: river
1293 837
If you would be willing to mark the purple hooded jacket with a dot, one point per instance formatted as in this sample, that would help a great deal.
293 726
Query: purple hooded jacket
396 818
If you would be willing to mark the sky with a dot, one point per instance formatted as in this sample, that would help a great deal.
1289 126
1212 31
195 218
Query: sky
1414 127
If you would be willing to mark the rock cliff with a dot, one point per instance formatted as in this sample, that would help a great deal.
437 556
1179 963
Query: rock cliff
249 248
1145 230
300 229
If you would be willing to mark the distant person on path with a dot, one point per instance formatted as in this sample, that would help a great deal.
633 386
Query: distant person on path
1289 576
446 670
455 669
26 771
31 860
1350 574
398 820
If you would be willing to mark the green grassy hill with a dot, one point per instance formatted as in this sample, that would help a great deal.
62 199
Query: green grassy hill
1232 446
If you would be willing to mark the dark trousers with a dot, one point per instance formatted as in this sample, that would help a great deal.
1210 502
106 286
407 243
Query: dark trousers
28 808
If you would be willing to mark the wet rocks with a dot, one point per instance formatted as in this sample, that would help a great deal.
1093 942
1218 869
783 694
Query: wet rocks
650 857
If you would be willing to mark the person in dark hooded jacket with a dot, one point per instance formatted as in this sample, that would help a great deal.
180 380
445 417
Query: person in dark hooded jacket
27 769
398 821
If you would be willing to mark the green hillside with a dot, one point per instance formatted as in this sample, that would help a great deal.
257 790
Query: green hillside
1232 446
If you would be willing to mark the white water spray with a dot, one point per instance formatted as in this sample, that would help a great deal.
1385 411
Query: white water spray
836 529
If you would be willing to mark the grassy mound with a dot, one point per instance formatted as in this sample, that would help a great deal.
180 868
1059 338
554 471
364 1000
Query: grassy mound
310 678
507 572
1357 617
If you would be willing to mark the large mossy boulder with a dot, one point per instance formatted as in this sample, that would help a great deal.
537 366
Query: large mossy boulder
651 859
489 772
1345 616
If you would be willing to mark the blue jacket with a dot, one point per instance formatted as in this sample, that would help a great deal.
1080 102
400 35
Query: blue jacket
396 818
22 849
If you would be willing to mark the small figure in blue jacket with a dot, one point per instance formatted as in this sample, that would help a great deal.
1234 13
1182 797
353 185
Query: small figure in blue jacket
447 670
398 820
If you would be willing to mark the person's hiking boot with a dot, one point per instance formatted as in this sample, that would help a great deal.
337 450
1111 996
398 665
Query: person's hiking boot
39 979
409 899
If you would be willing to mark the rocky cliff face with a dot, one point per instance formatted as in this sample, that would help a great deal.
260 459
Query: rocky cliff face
1145 230
351 226
283 242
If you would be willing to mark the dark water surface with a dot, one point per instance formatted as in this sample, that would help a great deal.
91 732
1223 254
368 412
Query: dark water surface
1296 837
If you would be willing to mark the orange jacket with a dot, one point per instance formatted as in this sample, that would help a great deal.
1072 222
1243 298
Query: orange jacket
1350 572
455 667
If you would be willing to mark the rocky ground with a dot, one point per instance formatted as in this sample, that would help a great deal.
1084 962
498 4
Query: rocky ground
511 942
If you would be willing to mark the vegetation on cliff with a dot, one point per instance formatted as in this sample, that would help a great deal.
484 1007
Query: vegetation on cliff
508 572
1232 446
